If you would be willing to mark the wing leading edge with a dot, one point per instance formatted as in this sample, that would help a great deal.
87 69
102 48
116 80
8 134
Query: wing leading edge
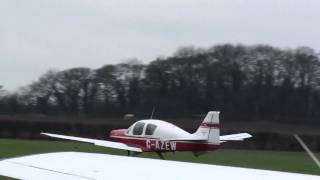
96 142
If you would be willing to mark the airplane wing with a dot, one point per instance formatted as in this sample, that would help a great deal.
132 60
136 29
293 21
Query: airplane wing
91 166
235 137
96 142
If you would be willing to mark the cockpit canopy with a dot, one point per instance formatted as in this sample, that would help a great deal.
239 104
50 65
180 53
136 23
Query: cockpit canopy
138 128
155 129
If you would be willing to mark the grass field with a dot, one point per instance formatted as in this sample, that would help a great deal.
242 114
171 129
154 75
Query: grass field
281 161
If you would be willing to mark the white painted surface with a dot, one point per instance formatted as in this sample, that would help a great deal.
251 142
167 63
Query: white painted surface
75 165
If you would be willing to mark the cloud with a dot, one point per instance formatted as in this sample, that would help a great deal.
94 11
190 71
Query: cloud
37 35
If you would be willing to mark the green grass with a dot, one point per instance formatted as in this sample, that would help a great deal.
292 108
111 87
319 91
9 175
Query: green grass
281 161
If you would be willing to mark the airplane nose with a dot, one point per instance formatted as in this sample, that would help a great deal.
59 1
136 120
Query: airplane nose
112 133
118 132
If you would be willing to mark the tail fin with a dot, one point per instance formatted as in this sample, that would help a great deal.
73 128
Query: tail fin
210 128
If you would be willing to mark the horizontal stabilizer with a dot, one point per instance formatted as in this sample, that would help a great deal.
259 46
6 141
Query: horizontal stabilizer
235 137
96 142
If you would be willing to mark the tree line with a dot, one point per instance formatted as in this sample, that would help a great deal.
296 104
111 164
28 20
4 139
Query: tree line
258 82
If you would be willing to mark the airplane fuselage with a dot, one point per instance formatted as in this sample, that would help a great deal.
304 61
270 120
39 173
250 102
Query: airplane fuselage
158 145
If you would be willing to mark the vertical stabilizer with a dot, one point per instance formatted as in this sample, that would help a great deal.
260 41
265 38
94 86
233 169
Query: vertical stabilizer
210 128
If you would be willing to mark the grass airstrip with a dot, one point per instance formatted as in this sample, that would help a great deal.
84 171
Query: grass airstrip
298 162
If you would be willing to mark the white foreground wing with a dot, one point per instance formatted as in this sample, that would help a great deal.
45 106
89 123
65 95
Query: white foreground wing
235 137
96 142
80 166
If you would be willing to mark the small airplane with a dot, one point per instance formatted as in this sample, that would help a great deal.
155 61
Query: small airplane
158 136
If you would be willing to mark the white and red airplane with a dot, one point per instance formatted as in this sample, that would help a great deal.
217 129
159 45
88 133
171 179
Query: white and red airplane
158 136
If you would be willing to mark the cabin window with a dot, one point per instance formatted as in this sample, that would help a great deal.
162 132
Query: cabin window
138 128
150 129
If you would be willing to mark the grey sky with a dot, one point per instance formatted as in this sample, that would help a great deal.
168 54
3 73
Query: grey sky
37 35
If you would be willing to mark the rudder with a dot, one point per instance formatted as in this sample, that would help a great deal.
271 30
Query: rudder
210 128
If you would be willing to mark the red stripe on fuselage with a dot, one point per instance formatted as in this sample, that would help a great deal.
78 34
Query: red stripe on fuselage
151 145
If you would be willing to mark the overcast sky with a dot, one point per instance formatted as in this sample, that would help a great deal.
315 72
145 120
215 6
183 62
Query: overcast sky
37 35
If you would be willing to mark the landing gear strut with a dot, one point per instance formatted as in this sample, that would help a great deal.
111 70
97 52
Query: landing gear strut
161 155
132 153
